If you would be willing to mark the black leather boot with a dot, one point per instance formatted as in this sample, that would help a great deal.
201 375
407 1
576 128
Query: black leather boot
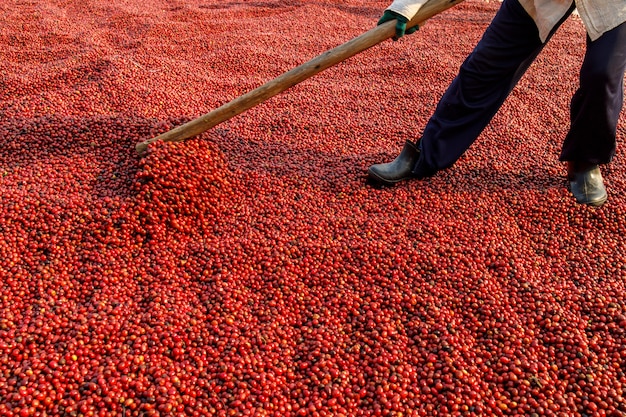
399 169
586 183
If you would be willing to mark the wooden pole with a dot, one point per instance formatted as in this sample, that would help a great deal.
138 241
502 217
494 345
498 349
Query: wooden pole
297 75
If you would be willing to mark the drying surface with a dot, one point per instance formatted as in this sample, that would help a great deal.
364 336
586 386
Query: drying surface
252 269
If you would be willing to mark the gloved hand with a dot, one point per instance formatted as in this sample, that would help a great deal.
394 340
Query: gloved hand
401 29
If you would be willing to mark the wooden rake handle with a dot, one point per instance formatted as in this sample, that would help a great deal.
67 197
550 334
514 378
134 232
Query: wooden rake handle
290 78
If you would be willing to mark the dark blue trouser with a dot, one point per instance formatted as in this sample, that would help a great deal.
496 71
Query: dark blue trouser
508 47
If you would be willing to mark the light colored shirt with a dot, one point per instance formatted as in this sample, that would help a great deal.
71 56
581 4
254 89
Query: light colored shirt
598 16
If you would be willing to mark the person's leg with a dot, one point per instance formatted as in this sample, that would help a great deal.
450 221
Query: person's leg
594 113
596 105
506 50
508 47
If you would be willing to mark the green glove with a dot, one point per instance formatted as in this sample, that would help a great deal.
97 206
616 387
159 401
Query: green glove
401 22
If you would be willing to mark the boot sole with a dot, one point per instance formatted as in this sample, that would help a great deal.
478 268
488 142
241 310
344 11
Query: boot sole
373 178
594 203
